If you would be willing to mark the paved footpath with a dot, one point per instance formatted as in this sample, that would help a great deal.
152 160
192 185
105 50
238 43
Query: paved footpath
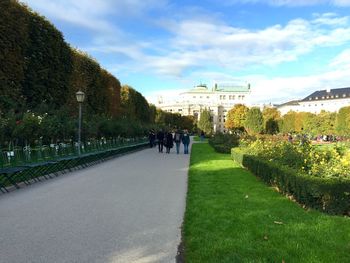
129 209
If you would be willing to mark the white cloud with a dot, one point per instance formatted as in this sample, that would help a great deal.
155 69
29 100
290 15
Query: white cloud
342 60
93 14
293 3
205 42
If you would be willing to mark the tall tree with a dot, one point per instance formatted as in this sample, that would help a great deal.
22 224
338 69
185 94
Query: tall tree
236 117
205 122
254 123
342 124
271 117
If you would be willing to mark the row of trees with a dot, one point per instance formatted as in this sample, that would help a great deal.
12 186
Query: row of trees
269 121
39 71
39 76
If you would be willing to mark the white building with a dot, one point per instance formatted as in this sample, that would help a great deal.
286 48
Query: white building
219 100
328 100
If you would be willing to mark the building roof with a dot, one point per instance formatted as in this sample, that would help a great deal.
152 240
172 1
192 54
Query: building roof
200 88
289 103
331 94
231 88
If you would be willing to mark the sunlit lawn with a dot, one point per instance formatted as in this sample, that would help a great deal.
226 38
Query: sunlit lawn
233 217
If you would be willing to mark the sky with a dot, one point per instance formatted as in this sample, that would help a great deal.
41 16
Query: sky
286 49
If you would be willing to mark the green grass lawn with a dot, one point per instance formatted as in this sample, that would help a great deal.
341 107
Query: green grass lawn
233 217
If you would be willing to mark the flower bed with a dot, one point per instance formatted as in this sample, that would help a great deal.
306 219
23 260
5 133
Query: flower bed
316 178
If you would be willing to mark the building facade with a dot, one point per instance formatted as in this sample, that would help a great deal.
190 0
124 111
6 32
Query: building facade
218 100
328 100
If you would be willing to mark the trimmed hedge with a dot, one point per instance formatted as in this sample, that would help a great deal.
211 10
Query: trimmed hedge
330 195
223 143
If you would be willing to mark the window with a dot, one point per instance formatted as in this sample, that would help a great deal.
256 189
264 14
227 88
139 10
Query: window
179 109
224 111
332 97
344 95
242 97
316 98
337 96
207 97
224 97
323 97
200 97
310 98
194 97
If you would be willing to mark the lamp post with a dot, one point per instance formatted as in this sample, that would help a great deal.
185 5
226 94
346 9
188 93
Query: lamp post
80 98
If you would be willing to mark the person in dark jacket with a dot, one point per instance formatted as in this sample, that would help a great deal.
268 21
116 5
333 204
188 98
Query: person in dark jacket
169 142
186 141
160 138
151 137
178 139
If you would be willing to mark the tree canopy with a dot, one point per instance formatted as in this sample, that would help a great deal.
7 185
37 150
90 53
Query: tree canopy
205 122
254 121
236 117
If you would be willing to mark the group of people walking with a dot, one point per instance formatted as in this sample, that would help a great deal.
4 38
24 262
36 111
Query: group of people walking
167 139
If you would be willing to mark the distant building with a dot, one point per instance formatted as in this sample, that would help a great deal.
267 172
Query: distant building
328 100
218 100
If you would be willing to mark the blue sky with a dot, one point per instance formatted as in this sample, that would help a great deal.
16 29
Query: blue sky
286 49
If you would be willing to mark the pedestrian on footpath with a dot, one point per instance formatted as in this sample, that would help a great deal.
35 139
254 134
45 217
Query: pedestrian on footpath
169 141
178 139
160 138
186 141
151 138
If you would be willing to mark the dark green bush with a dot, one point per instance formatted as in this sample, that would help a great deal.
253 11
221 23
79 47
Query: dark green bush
223 143
330 195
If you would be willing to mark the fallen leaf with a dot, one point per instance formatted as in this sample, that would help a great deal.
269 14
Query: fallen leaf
266 238
246 196
278 222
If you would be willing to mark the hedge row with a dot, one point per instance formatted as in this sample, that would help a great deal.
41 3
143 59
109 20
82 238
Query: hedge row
223 143
330 195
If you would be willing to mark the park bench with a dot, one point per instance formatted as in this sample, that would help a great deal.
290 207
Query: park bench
28 173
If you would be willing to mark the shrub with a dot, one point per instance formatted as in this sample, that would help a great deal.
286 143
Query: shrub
331 195
223 143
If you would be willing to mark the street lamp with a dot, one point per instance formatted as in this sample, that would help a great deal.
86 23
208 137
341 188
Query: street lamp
80 98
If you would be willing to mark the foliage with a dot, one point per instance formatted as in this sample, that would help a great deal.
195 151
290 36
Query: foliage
343 121
236 117
327 162
134 106
223 142
254 121
330 195
39 68
205 122
230 217
271 117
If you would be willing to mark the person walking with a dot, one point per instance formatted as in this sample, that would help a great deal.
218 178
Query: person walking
202 135
160 138
186 141
151 138
169 142
177 139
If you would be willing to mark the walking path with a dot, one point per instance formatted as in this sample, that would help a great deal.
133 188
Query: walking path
129 209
